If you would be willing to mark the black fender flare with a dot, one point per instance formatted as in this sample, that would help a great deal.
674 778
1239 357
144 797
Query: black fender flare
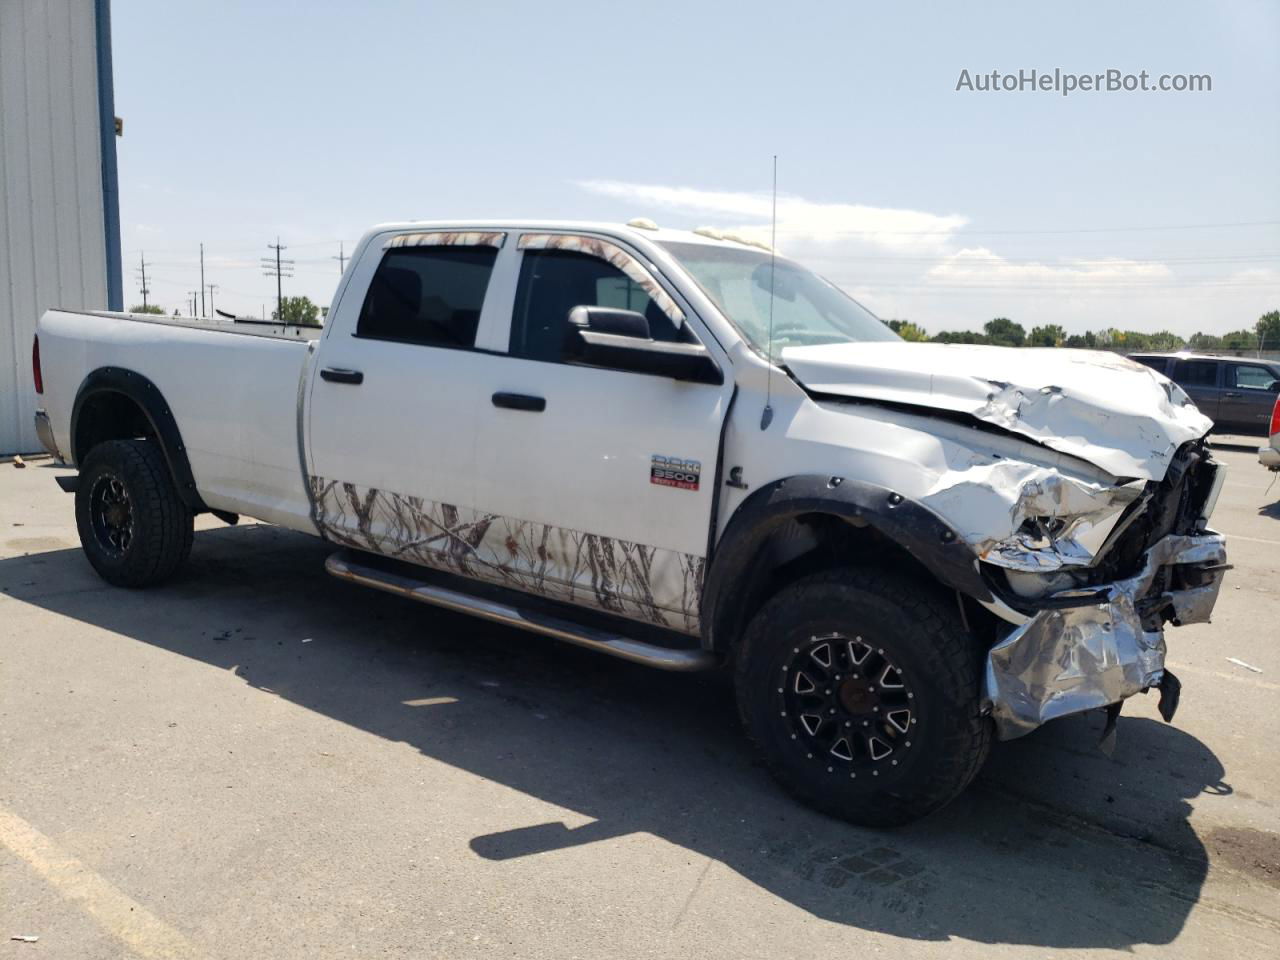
917 529
155 408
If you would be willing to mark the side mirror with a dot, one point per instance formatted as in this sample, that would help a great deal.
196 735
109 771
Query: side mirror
620 340
621 323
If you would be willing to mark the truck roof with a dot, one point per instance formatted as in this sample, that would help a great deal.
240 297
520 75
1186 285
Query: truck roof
633 229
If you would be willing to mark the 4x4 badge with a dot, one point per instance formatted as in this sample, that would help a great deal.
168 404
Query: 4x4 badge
675 472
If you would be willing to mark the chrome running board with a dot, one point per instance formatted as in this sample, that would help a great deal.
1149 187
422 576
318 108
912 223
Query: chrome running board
346 565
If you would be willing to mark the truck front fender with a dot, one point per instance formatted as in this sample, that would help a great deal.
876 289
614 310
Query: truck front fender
908 524
146 397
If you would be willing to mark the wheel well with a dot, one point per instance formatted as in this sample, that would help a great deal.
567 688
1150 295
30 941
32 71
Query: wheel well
107 415
118 404
807 543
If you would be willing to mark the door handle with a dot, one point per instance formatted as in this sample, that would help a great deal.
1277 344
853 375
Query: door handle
1231 394
339 375
519 401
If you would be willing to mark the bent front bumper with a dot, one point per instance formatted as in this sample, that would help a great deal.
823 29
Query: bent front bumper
1068 659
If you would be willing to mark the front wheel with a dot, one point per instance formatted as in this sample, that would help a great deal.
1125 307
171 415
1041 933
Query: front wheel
134 528
861 690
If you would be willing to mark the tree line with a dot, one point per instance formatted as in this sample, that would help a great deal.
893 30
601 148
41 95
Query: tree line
1004 332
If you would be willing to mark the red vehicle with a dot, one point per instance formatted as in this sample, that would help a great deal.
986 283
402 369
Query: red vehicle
1269 455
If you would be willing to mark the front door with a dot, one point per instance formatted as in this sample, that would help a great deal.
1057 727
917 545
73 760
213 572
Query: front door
1248 397
601 481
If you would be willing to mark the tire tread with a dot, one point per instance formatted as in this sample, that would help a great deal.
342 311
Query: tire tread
951 655
165 521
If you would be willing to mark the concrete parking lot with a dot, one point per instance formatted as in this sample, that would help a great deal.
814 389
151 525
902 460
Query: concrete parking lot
258 761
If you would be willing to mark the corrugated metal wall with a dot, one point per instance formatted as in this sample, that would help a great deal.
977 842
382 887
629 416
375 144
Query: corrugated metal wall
52 235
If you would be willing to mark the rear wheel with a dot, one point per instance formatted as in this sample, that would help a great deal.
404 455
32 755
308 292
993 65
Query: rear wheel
133 526
861 690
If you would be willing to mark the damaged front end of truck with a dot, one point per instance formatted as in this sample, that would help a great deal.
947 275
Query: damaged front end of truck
1096 590
1083 485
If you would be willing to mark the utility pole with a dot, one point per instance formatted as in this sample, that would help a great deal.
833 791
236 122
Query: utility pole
193 294
142 273
212 287
342 260
277 268
202 279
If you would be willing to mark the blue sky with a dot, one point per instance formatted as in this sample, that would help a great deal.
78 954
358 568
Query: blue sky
244 120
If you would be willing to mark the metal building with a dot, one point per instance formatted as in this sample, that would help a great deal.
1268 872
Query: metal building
59 215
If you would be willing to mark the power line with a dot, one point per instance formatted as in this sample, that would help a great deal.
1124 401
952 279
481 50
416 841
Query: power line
1078 281
279 268
247 250
981 233
342 260
783 228
1060 261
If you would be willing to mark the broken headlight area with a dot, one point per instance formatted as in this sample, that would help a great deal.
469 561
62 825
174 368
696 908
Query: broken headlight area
1098 534
1057 532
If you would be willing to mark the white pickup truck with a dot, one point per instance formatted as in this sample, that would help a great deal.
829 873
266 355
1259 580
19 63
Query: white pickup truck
677 448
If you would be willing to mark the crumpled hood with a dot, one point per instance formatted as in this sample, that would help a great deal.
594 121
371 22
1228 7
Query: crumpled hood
1100 407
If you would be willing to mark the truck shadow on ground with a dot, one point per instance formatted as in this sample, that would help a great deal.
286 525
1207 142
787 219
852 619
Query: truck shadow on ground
1055 846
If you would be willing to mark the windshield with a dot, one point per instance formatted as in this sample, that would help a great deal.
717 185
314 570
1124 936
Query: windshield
806 308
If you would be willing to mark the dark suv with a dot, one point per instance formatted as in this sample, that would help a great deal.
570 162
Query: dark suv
1237 393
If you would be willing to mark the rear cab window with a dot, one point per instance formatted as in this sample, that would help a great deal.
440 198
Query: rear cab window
428 291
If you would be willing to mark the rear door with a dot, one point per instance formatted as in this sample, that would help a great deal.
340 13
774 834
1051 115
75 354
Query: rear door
600 481
1199 378
1248 396
392 419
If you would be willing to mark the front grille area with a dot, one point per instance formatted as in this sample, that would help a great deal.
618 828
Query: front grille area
1172 505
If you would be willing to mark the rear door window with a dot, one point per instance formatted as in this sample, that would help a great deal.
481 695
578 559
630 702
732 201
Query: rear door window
1160 364
430 295
1196 373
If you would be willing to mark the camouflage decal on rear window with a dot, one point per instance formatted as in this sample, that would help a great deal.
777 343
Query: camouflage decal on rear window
447 238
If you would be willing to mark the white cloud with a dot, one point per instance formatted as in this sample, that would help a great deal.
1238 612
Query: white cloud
979 266
912 264
800 221
1263 276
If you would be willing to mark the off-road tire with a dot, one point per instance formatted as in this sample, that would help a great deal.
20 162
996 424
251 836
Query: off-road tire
160 524
919 635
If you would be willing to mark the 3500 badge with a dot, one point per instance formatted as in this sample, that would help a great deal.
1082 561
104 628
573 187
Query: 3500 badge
675 472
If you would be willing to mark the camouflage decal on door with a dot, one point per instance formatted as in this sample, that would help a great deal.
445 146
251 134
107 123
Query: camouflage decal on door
633 580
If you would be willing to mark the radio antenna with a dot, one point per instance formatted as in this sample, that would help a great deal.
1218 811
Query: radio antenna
766 415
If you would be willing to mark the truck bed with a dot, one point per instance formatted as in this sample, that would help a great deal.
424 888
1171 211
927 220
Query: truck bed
242 326
234 389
